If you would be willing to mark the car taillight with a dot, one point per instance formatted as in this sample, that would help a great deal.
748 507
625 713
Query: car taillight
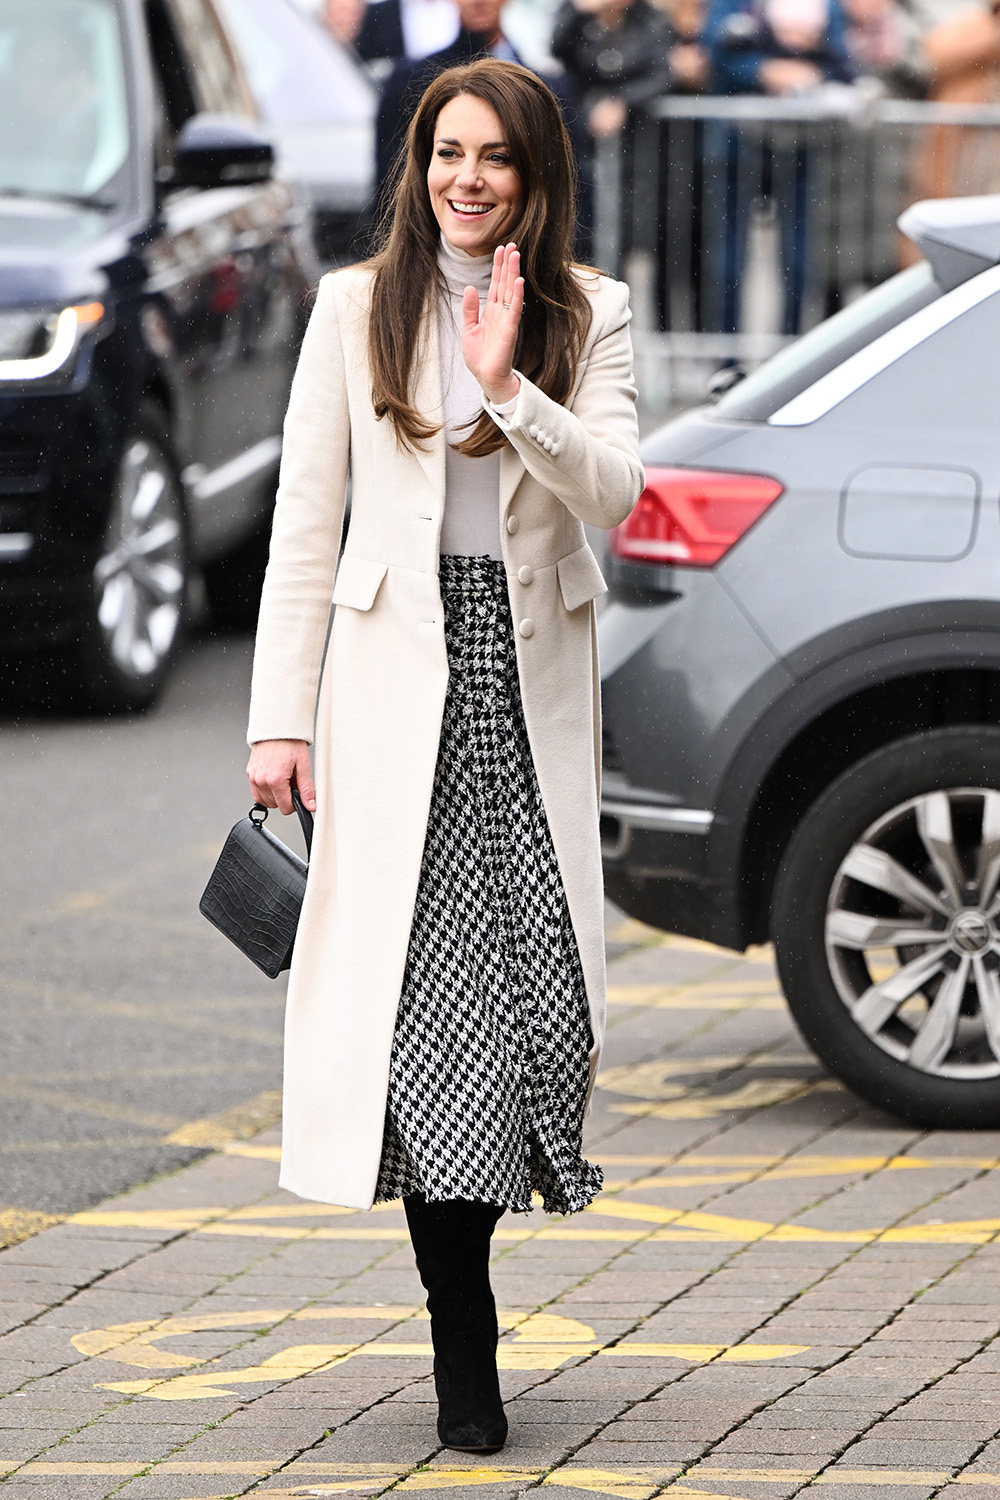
691 517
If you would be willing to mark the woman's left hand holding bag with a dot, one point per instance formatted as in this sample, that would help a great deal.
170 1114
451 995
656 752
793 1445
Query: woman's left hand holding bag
489 335
275 767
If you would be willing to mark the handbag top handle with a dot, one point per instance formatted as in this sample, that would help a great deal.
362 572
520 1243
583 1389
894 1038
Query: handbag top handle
305 818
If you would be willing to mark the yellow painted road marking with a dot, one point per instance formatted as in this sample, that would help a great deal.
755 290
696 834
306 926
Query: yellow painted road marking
82 901
630 1482
542 1341
312 1359
101 1109
799 1167
713 997
453 1479
649 1080
256 1153
759 1093
649 1083
824 1165
17 1224
684 1225
219 1130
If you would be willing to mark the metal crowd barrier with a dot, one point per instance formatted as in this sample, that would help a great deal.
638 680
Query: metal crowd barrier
740 222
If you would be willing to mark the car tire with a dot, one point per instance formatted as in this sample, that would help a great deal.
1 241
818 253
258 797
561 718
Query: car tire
136 613
886 925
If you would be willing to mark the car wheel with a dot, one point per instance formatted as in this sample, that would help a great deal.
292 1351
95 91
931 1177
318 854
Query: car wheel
140 578
886 926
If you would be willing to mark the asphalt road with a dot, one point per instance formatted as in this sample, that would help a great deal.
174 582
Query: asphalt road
125 1019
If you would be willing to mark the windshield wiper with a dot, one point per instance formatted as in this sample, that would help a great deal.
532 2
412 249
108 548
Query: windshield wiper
78 200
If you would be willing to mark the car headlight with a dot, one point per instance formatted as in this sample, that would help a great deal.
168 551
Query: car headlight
36 344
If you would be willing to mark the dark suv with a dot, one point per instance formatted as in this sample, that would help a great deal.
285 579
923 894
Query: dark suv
801 661
152 284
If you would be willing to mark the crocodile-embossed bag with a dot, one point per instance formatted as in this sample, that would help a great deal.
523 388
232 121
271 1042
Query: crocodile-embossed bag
254 894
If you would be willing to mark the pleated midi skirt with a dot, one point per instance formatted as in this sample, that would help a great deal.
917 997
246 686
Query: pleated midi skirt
489 1071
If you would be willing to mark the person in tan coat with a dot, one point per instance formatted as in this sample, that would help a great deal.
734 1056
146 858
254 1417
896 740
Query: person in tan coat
446 998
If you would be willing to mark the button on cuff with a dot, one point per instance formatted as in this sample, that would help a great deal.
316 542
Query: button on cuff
526 628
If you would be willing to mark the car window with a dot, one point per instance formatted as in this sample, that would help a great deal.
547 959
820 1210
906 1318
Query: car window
64 117
805 361
299 75
219 85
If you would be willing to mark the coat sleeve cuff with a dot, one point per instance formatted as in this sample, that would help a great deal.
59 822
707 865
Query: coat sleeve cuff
532 420
503 413
299 726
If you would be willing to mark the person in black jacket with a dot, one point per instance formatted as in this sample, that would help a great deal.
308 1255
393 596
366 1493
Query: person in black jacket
480 36
395 31
619 55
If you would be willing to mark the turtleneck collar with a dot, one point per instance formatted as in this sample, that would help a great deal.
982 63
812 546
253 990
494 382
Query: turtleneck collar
460 269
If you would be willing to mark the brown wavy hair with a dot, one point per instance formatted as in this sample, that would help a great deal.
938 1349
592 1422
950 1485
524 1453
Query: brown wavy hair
556 311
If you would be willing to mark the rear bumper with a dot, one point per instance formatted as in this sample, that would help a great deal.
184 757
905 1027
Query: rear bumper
656 863
620 815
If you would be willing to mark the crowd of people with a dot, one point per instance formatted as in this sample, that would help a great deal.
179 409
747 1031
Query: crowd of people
610 58
617 54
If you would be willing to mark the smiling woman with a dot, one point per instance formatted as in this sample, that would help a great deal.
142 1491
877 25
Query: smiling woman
490 138
446 1001
475 192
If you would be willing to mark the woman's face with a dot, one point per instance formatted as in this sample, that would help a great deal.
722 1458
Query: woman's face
474 191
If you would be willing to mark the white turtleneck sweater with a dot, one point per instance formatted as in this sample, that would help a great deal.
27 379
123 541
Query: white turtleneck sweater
471 526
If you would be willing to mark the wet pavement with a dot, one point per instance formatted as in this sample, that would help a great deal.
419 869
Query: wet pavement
778 1290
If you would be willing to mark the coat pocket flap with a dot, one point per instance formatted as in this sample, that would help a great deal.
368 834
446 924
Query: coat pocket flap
580 579
358 580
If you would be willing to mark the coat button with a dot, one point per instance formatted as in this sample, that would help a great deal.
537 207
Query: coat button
525 574
547 445
554 450
512 524
533 430
527 628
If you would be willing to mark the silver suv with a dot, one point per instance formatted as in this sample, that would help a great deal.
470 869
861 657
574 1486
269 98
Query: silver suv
801 659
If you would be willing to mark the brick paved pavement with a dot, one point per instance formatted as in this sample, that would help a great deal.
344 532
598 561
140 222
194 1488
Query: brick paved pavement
779 1290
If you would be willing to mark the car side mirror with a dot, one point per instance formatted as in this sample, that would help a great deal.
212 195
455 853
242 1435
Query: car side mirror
220 151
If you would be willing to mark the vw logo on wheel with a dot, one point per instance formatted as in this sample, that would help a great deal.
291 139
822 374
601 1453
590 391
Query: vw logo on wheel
970 932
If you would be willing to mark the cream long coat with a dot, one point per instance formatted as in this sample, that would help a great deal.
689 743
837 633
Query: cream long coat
381 697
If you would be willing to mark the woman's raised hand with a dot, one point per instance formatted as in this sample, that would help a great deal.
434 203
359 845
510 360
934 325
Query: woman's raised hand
489 335
275 767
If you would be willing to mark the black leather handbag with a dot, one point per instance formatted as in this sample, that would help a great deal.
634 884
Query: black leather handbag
254 894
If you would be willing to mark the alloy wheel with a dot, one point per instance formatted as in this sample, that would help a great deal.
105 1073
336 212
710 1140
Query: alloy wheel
142 573
913 933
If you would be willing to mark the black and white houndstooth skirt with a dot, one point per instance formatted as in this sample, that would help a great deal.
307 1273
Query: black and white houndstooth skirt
489 1070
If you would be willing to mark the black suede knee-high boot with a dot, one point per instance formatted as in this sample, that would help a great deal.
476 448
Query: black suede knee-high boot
451 1242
